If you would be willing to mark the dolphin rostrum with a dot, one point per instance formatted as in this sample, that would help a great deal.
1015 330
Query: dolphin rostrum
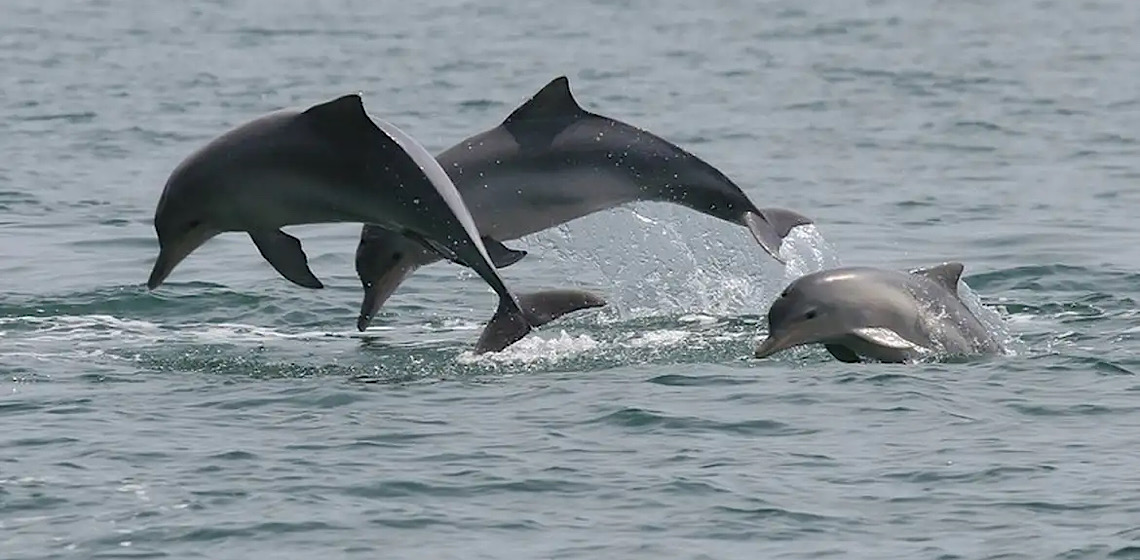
882 315
550 162
333 163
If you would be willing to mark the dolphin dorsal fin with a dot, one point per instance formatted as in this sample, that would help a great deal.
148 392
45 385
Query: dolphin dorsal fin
554 100
343 114
946 274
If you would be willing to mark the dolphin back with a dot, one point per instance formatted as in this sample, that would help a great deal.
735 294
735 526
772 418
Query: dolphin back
956 328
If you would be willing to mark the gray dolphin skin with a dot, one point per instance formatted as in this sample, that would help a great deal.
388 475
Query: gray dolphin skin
334 163
881 315
550 162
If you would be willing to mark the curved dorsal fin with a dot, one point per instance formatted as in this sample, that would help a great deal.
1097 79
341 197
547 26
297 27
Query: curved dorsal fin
947 274
343 115
554 100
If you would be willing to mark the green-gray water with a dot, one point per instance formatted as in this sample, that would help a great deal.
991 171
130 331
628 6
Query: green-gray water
230 414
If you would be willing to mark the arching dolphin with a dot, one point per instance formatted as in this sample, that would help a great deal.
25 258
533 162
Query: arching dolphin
883 315
550 162
333 163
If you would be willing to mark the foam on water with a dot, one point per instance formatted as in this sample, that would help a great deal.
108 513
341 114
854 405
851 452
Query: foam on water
534 350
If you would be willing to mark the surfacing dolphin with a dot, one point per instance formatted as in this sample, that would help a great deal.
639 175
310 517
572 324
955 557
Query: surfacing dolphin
333 163
550 162
881 315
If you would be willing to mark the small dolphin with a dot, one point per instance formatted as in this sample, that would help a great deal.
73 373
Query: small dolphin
333 163
883 315
550 162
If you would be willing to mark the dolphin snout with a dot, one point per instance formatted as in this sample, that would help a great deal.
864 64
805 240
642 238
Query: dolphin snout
159 273
769 346
170 254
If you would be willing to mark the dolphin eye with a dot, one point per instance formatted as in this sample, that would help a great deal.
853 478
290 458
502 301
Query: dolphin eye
193 224
810 315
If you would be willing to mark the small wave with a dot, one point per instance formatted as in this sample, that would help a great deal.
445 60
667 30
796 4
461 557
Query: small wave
653 421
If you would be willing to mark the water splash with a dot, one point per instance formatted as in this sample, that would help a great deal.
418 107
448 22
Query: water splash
991 318
806 251
657 259
535 350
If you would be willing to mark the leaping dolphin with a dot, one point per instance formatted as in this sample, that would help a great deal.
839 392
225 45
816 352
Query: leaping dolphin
882 315
550 162
333 163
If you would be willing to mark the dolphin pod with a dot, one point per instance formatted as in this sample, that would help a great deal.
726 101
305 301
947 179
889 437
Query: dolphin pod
862 313
549 162
333 163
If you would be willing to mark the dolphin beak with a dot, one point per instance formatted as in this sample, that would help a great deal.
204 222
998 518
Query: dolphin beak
160 271
773 344
173 253
797 335
380 288
167 259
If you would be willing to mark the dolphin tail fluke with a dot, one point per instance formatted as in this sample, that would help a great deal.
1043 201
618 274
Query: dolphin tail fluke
512 322
771 225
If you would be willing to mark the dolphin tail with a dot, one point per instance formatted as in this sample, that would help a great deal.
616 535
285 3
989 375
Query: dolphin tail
771 225
512 322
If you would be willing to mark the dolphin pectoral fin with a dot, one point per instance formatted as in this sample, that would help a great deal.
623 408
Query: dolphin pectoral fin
842 353
509 325
771 225
283 251
501 255
885 337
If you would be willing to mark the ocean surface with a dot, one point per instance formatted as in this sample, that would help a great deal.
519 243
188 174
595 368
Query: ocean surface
230 414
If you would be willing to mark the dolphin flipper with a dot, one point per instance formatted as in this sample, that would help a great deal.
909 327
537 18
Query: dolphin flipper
283 251
507 325
771 225
885 337
501 255
842 353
